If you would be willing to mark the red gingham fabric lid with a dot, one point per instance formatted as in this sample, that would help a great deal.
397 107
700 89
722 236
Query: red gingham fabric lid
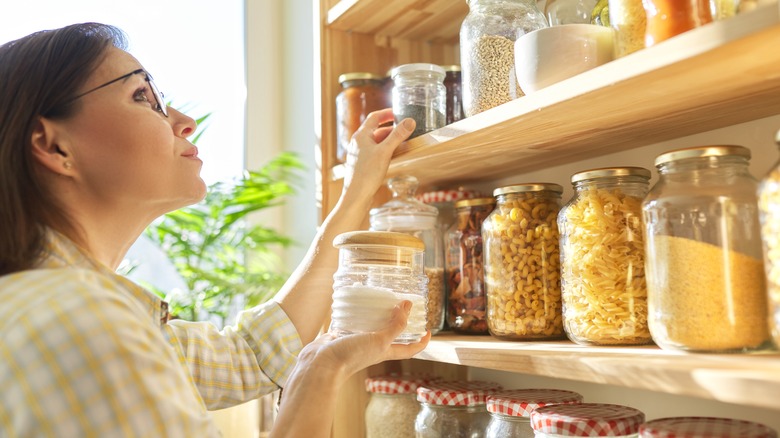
447 195
520 402
397 384
456 393
587 419
704 427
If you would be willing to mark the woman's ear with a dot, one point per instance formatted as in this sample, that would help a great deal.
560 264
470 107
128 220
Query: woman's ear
48 150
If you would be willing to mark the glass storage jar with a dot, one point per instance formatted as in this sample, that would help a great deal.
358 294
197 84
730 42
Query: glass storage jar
465 268
454 87
706 287
704 427
769 215
392 407
444 201
452 409
667 18
568 11
586 420
629 19
361 94
510 410
487 41
603 258
419 93
405 214
378 270
522 262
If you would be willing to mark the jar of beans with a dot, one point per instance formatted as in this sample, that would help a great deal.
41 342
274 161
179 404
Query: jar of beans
522 263
603 258
361 94
510 410
769 214
586 420
453 409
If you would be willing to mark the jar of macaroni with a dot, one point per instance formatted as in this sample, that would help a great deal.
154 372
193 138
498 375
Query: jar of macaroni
706 286
586 420
392 407
769 215
361 94
603 258
453 409
522 263
378 270
704 427
510 410
419 93
405 214
465 268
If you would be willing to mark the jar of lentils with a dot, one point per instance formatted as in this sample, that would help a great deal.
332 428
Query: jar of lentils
453 409
522 263
603 258
704 427
392 407
586 420
510 410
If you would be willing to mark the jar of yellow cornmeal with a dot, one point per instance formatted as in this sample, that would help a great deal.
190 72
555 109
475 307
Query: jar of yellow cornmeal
706 287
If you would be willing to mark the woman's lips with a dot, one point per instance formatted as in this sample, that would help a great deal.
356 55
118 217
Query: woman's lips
191 153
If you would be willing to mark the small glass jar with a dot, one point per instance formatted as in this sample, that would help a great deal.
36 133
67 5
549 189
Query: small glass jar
361 94
465 269
453 409
704 427
706 286
392 407
586 420
667 18
603 258
378 270
405 214
522 263
419 93
769 215
453 85
569 11
487 44
629 19
510 410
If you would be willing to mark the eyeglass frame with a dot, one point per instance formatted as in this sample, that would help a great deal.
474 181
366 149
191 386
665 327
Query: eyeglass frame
158 96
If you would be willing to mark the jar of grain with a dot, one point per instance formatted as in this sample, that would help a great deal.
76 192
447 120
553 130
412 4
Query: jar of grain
392 407
419 93
522 263
769 215
453 85
586 420
706 287
361 94
704 427
603 258
405 214
667 18
464 270
453 409
487 39
378 270
629 20
510 410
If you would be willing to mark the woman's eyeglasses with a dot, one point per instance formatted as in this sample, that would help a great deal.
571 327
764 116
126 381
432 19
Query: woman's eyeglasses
158 97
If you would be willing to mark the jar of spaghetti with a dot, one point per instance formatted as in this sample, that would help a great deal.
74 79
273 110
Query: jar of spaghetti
603 258
769 215
392 407
453 409
522 263
510 410
361 94
667 18
704 427
586 420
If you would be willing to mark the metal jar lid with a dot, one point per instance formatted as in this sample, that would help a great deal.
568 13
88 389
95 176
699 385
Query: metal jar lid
378 238
360 75
421 67
528 187
702 151
610 172
474 202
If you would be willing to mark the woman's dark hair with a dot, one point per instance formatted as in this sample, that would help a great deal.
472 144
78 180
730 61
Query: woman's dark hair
39 76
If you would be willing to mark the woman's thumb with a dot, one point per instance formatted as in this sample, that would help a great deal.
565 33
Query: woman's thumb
401 132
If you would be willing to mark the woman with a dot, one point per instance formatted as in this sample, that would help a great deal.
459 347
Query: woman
89 156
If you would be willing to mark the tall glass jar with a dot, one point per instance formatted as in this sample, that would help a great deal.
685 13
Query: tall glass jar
392 407
704 427
419 93
453 83
603 258
361 94
487 41
586 420
522 263
453 409
378 270
705 275
465 268
769 215
510 410
405 214
629 19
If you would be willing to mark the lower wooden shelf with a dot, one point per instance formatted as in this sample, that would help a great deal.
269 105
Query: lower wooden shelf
744 379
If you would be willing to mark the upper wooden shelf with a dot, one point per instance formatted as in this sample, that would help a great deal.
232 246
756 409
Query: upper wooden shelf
744 379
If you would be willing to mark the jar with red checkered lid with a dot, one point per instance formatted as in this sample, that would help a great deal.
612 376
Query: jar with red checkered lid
510 410
704 427
393 407
444 200
586 420
454 409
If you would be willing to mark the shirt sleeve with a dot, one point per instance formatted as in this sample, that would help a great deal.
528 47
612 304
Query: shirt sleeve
239 363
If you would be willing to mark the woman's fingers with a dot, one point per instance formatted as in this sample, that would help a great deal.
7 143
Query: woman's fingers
405 351
373 120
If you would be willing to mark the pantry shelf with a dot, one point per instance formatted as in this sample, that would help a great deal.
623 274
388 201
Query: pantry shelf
749 380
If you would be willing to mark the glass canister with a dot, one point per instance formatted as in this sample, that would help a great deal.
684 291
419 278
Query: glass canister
510 410
603 258
405 214
586 420
704 427
769 215
568 11
392 407
378 270
629 19
454 86
487 41
444 200
667 18
453 409
419 93
706 286
361 94
522 263
465 268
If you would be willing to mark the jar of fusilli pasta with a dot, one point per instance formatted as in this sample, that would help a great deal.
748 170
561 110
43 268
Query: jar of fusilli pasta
522 263
603 258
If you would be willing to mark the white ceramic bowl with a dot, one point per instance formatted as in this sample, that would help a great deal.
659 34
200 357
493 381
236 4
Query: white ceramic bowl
552 54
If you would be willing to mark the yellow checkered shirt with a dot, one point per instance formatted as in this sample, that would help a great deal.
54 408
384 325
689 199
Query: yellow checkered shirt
85 352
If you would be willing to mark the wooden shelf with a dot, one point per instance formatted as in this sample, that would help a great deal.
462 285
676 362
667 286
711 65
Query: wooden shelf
744 379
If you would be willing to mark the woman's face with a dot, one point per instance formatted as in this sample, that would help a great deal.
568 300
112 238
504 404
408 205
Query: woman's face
126 154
